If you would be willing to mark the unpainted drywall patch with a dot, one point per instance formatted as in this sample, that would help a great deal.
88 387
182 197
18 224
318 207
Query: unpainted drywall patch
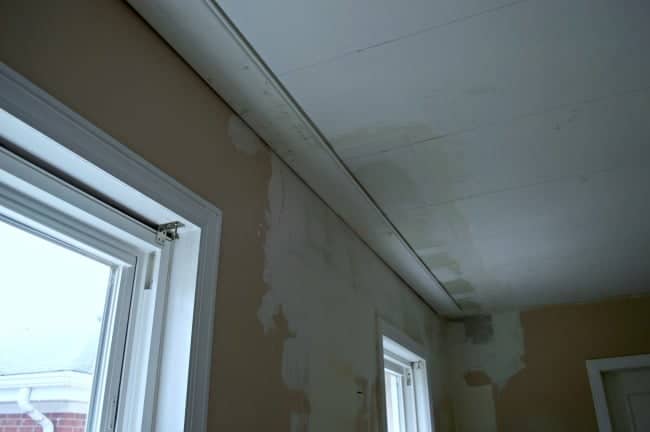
440 259
476 378
469 305
484 352
478 329
459 287
494 345
330 287
387 181
242 137
309 274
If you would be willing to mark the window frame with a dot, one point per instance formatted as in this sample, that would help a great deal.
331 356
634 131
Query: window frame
31 199
44 131
400 371
397 348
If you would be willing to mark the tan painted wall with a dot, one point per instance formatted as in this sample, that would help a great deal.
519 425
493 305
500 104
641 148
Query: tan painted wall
552 392
291 350
528 373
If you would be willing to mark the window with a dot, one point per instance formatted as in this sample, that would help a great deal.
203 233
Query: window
398 376
82 305
405 385
106 321
56 301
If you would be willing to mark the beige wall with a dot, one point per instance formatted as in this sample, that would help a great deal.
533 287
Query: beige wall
528 373
298 294
552 392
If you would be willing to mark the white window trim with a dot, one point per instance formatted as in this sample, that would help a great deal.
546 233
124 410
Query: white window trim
595 370
80 152
397 342
40 202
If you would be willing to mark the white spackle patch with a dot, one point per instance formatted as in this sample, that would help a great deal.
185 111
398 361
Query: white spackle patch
330 288
242 137
500 357
497 353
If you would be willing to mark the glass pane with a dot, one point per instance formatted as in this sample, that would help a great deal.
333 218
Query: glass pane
394 402
52 304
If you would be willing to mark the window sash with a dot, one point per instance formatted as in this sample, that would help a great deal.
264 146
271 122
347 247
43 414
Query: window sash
112 338
399 361
125 379
395 410
35 124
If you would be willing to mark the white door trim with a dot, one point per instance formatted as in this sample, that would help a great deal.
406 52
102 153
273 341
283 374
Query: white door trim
70 140
595 369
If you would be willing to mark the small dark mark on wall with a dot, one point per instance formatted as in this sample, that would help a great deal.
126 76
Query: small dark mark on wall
476 378
478 329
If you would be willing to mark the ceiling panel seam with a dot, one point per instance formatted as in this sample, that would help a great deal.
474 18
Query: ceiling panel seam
274 81
215 48
400 38
504 123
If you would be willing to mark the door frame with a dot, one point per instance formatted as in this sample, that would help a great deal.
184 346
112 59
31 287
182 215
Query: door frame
595 370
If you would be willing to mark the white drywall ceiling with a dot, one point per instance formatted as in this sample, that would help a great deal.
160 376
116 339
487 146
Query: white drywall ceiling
508 141
204 36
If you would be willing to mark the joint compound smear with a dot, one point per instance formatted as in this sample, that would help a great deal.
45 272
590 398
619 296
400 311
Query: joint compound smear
242 137
484 352
492 344
331 288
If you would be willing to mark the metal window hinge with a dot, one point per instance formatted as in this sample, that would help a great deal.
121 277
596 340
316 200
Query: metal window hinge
168 232
408 379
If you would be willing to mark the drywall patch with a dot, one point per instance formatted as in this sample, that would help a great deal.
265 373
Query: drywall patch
459 287
478 329
386 180
494 346
484 352
468 305
477 378
330 287
308 269
242 137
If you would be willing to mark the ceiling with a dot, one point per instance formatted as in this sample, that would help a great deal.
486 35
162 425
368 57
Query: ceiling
507 141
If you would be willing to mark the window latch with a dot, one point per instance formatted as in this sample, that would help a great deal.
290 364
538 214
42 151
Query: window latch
168 232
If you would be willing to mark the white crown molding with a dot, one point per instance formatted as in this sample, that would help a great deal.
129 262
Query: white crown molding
204 36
